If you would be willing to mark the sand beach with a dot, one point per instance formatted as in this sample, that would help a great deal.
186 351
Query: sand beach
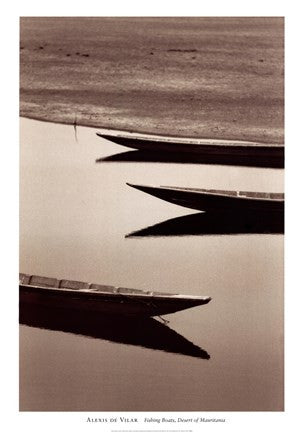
198 77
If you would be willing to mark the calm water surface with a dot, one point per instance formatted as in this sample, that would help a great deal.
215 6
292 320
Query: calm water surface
75 218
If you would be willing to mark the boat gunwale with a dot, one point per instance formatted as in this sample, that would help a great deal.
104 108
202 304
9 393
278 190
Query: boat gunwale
245 197
136 136
209 193
118 294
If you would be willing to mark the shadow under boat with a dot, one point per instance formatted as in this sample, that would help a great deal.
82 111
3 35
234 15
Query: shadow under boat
216 223
144 332
187 158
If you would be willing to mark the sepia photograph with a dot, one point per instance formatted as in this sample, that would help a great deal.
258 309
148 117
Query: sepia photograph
151 211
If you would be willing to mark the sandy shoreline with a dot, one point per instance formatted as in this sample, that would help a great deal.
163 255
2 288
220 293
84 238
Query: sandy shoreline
166 135
197 77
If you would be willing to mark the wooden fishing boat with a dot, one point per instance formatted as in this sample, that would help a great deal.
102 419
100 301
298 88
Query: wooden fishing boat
207 147
215 200
102 298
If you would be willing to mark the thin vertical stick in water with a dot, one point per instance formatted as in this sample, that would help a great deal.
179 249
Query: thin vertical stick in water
75 128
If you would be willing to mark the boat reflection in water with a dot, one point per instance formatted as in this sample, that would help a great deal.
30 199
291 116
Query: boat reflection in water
183 158
216 223
144 332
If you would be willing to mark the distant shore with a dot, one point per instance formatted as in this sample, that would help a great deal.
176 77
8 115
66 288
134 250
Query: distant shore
194 77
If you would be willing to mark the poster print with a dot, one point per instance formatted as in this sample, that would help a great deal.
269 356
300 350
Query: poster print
151 158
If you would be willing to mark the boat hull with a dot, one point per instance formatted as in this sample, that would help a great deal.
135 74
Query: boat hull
199 147
204 200
143 305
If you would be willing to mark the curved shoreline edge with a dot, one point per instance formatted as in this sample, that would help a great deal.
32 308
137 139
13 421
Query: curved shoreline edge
141 131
